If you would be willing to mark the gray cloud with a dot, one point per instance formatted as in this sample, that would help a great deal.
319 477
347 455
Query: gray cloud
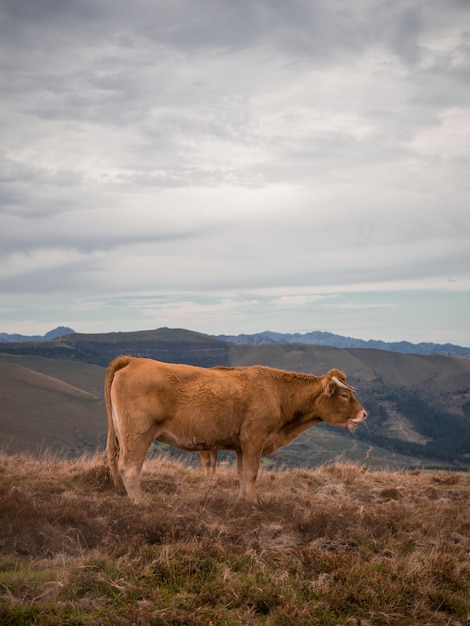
204 150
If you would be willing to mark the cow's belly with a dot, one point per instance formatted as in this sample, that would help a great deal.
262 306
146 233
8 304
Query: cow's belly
195 426
194 443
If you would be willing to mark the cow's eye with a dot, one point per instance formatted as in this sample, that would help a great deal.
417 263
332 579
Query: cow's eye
345 395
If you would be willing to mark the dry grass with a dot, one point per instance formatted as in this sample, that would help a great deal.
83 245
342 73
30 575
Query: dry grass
336 545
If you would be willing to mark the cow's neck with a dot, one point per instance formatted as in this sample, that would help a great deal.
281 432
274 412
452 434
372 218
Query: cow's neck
297 426
301 393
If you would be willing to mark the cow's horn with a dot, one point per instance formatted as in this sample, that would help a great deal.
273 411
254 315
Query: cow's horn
340 384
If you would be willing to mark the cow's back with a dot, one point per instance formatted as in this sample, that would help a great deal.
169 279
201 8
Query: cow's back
190 407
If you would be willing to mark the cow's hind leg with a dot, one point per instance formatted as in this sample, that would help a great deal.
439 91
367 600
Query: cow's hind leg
130 464
241 478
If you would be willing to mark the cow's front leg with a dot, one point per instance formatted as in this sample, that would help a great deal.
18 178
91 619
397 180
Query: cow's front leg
250 458
241 479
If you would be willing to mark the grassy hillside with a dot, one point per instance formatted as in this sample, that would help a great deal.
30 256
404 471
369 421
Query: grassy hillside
436 375
86 376
39 412
419 406
339 545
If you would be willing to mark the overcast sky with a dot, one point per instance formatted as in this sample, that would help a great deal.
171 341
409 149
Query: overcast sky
236 166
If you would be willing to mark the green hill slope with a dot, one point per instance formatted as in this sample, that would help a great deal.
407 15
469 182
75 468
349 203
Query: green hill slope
39 412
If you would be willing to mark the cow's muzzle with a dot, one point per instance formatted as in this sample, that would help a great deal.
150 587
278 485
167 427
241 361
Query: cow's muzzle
360 417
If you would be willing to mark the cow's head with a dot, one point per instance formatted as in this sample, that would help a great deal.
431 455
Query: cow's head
337 403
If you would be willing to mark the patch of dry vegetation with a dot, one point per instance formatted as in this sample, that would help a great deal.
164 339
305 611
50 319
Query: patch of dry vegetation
335 545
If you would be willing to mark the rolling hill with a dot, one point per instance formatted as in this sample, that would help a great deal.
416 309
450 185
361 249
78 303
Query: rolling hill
41 412
165 344
419 406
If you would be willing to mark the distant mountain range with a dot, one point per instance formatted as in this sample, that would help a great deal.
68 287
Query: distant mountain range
267 337
60 331
320 338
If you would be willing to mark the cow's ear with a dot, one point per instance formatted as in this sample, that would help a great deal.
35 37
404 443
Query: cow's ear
329 385
332 381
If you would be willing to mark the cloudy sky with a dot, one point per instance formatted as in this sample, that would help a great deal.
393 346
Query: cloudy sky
233 167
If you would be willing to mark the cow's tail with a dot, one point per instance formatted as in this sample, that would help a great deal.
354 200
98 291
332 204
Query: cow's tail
112 443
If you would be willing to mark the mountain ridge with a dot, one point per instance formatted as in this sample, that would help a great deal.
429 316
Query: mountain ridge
60 331
323 338
315 337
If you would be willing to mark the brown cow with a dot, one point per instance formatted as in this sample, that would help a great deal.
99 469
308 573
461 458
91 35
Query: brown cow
252 410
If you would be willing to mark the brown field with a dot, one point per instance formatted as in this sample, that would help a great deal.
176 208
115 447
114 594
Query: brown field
336 545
